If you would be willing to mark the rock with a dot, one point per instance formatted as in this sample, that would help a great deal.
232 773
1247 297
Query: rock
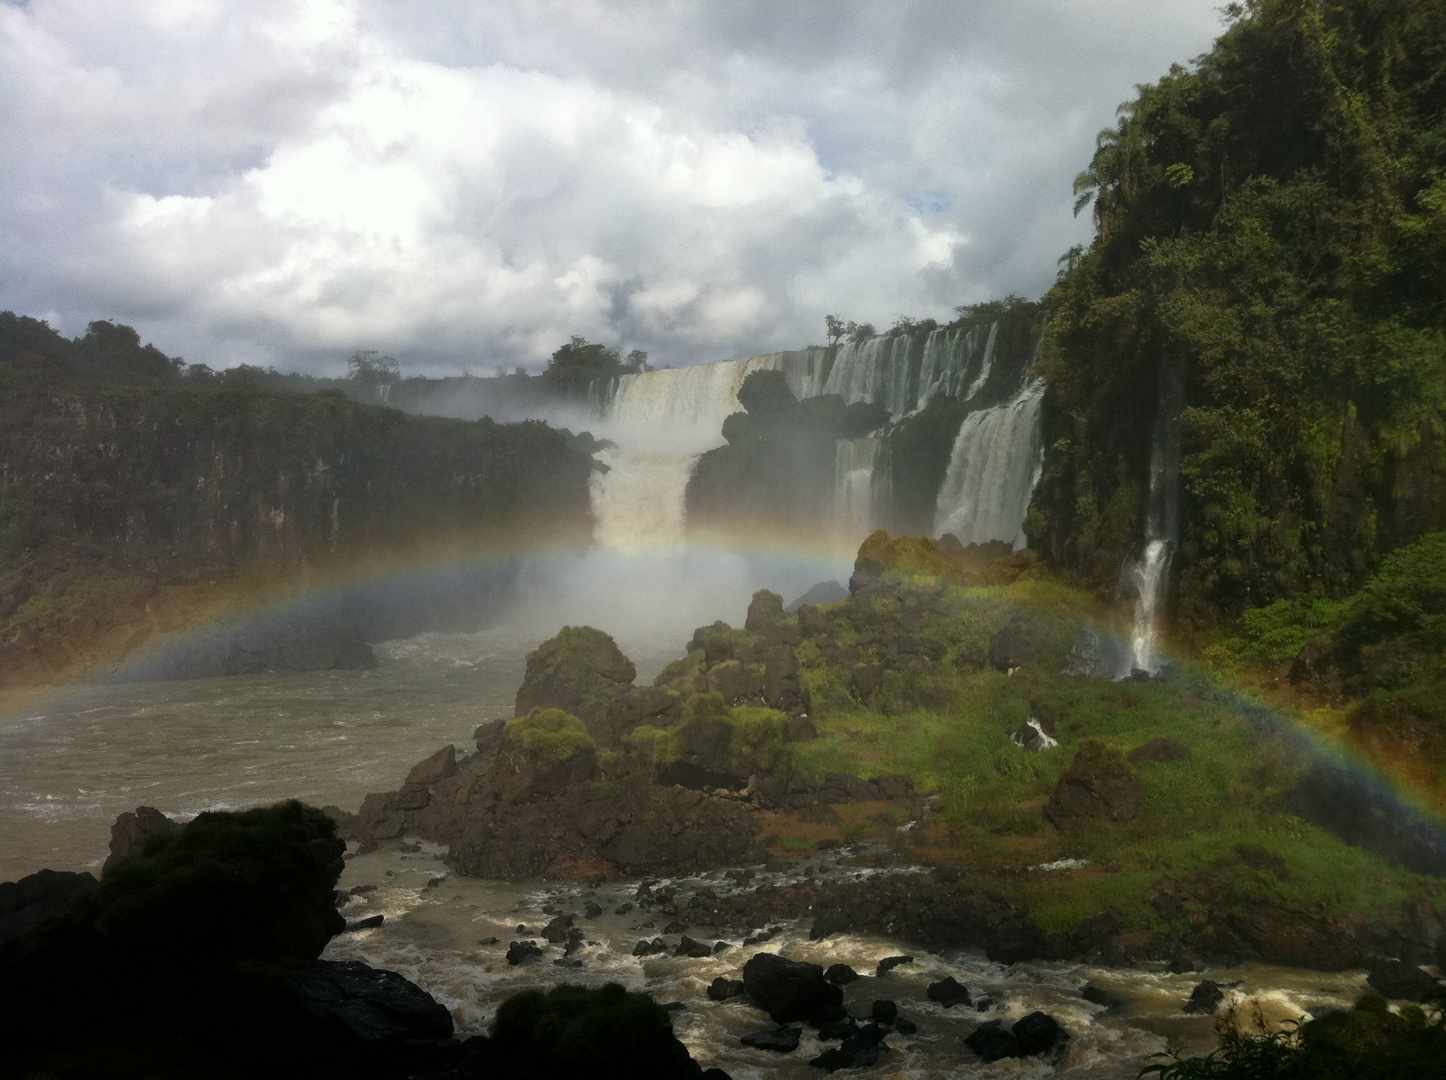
592 911
693 949
650 948
825 592
1397 980
905 1026
438 766
1162 749
37 898
992 1043
623 909
888 963
556 930
1098 995
884 1012
840 974
846 788
860 1050
948 992
765 613
375 1005
523 952
132 829
866 679
894 787
1097 785
840 1027
1033 737
1038 1033
781 1040
722 989
578 662
371 922
1022 642
1204 999
789 990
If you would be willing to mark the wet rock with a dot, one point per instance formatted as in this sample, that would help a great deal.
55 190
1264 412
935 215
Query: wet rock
840 974
1399 981
650 948
840 1027
575 941
523 952
1033 737
577 662
888 963
1098 995
860 1050
1038 1033
37 898
1097 785
556 931
592 910
758 938
894 787
992 1042
948 992
371 922
375 1005
866 679
1163 748
677 926
438 766
722 989
782 1040
905 1026
132 829
1204 999
623 909
765 614
789 990
884 1012
695 950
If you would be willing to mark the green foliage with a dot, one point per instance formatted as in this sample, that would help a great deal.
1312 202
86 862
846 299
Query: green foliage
576 1030
1271 220
1367 1043
550 731
760 740
1278 631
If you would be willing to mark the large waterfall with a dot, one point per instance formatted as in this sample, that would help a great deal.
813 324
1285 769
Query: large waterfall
663 420
992 471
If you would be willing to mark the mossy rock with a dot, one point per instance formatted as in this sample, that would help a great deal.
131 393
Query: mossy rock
552 732
577 666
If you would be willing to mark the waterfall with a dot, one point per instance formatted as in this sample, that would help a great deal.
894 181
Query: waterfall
993 468
1148 575
860 486
638 501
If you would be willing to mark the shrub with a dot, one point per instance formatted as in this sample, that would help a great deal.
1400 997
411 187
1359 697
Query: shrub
550 731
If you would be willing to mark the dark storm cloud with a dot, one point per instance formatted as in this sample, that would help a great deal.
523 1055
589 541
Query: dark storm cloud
466 184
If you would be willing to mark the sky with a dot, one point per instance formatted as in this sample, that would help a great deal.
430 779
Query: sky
464 185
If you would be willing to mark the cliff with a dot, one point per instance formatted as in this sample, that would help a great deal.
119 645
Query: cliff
116 486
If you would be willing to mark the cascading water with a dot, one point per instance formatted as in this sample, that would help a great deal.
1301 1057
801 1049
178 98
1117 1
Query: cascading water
638 501
992 471
1148 575
857 482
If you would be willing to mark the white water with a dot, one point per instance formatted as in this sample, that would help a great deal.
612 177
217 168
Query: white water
992 471
663 420
859 486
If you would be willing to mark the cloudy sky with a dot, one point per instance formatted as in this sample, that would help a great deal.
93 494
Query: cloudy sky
465 183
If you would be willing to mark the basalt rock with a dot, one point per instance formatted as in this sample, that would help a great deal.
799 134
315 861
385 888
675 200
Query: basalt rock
948 992
38 898
131 831
1097 786
789 990
564 669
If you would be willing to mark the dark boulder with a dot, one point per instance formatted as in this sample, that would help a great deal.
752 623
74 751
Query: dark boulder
131 831
789 990
556 931
1162 748
948 992
722 989
371 922
695 950
840 1027
650 948
884 1012
840 974
1204 999
375 1005
1098 785
1038 1033
38 898
782 1040
888 963
862 1049
523 952
1400 981
1098 995
992 1042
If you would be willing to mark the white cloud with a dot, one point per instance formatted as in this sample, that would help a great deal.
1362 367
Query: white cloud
290 181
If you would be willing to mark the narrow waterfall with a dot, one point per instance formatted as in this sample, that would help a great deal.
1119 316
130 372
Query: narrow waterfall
1147 576
859 497
992 471
638 501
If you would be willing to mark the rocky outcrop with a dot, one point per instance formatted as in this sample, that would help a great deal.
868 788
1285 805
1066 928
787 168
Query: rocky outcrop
132 829
37 899
564 669
1097 786
790 990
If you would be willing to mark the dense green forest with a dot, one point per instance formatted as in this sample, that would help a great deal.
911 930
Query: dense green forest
122 474
1271 221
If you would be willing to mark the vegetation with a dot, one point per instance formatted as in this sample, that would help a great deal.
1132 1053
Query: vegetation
550 731
1272 222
